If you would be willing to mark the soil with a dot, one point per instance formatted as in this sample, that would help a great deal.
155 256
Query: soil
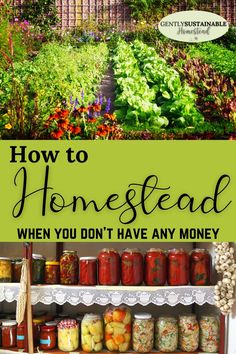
107 87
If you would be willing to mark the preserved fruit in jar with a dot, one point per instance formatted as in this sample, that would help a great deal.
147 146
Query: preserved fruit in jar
48 338
92 333
166 334
5 270
143 332
38 264
20 336
178 267
52 272
188 333
200 267
209 334
37 323
16 269
131 267
69 268
155 267
9 334
68 335
117 328
108 267
88 270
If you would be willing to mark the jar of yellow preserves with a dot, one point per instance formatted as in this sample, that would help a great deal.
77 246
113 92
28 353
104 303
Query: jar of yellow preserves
5 270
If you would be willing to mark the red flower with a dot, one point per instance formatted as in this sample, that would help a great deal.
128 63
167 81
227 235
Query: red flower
63 123
57 134
76 130
64 113
92 120
103 130
83 109
109 116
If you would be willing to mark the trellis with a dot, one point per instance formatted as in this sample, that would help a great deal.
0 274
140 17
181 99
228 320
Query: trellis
115 12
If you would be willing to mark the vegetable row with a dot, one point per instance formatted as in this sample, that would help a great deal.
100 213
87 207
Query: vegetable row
117 331
155 268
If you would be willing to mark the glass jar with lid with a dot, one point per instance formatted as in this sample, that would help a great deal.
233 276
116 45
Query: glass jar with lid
200 267
209 334
88 270
52 272
143 332
131 267
188 333
117 328
9 334
38 264
166 334
92 333
5 270
178 267
68 335
69 268
108 267
20 336
48 338
16 269
155 267
37 323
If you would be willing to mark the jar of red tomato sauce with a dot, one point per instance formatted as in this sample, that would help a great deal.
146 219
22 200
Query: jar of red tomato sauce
131 267
108 267
178 267
47 338
69 268
200 267
20 336
88 270
9 334
155 267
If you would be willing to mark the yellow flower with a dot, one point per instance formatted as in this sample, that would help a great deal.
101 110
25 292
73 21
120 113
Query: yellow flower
8 126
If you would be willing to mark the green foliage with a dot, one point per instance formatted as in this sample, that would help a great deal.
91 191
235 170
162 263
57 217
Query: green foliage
56 73
221 59
41 13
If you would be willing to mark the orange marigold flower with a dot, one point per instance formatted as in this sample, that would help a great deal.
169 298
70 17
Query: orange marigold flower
103 130
109 116
63 123
54 116
57 134
92 120
76 130
64 113
83 109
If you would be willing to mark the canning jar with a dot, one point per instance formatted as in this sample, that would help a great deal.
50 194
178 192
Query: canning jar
188 333
143 332
117 328
92 333
9 334
88 270
48 338
52 272
20 336
155 267
209 334
16 269
108 267
178 267
37 323
68 335
166 334
200 267
38 264
69 268
5 270
131 267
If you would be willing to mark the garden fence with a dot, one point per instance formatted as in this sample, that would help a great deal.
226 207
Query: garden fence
115 12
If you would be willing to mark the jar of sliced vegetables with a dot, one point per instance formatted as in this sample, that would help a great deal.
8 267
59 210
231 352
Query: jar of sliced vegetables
131 267
69 268
166 334
209 334
188 333
117 328
155 267
92 333
200 267
38 264
143 332
68 335
108 267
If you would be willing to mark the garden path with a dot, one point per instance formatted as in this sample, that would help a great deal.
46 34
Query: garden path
107 87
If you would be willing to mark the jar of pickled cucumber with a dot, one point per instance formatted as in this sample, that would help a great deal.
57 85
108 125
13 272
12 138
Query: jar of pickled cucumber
209 334
38 264
117 328
188 333
92 333
68 335
5 270
143 332
16 269
166 334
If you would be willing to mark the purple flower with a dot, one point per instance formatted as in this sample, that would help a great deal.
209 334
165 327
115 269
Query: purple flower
76 102
71 100
108 107
26 22
82 95
101 99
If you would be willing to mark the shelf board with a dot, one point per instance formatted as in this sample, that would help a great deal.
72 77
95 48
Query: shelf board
57 351
115 295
